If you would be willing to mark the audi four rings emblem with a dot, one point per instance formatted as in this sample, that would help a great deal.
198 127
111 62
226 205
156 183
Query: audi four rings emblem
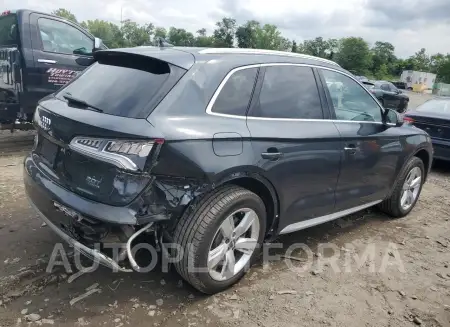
45 123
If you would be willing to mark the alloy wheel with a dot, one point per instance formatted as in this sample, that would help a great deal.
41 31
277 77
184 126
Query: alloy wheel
233 244
411 188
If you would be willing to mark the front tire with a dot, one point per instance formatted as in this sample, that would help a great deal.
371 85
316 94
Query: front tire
220 238
406 189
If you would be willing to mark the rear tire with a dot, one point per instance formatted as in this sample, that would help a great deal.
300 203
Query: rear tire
396 205
200 228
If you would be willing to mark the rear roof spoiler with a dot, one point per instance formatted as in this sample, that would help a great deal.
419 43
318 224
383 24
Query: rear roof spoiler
169 55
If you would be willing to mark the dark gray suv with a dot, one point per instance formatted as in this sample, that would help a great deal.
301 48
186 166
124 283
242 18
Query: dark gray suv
216 151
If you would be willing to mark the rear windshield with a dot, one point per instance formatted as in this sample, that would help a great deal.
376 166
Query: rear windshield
9 33
124 85
436 106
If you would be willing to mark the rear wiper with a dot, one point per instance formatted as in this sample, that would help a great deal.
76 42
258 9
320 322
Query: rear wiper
80 102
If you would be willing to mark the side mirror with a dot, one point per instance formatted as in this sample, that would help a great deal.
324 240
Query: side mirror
98 44
392 118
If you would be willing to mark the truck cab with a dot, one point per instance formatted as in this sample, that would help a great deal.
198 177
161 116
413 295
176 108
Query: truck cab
39 53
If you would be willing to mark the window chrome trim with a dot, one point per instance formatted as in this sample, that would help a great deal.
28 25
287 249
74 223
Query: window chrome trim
219 89
227 77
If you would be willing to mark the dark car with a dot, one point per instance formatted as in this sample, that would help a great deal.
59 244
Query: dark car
213 151
433 117
389 96
39 53
400 85
362 78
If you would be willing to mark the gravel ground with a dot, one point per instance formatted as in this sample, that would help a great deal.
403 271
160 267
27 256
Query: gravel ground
405 280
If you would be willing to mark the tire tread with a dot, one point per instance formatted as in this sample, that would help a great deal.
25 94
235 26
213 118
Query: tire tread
193 224
391 205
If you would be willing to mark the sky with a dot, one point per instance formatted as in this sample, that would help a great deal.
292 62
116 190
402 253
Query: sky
408 24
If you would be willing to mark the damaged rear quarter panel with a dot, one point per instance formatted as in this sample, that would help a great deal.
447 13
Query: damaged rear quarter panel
186 170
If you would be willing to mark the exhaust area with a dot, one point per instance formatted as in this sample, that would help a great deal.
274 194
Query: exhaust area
130 255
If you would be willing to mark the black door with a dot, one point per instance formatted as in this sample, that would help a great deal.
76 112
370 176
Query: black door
295 145
60 51
371 149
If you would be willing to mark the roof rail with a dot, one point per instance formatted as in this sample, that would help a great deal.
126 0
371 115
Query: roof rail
264 52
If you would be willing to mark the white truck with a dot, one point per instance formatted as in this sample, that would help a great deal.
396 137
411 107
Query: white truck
411 78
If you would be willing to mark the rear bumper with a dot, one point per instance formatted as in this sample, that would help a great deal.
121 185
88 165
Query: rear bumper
43 193
95 255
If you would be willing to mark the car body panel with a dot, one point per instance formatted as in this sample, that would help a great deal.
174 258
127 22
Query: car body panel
204 150
306 174
437 125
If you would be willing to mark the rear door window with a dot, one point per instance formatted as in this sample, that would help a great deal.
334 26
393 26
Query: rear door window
385 87
236 93
392 87
124 85
289 91
9 32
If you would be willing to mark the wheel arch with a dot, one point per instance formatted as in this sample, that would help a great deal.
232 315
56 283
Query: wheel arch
262 187
423 155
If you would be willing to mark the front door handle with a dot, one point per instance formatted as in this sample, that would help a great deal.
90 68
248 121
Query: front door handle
351 149
271 155
47 61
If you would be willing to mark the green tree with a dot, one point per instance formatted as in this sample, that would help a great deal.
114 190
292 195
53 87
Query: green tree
202 40
319 47
269 37
354 55
159 32
202 32
110 33
444 70
135 34
421 60
383 54
180 37
382 72
246 34
436 62
64 13
224 33
294 46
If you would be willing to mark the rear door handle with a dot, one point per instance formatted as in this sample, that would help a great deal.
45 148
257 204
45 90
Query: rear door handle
47 61
271 155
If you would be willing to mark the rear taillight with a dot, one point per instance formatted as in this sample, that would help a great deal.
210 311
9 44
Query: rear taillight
126 154
408 120
6 12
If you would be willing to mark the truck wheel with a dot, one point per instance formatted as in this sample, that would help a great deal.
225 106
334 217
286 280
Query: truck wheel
220 237
406 189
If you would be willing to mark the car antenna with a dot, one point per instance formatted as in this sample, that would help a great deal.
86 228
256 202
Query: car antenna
163 43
